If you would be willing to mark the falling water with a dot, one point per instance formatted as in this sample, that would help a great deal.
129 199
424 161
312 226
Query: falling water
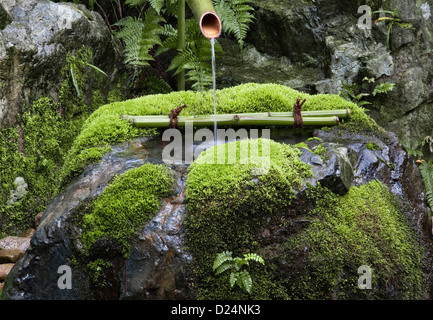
212 41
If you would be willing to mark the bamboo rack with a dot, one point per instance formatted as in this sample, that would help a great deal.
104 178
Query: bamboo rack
310 118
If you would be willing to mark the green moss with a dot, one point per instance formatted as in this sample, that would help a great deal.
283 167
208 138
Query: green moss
126 204
229 208
320 150
315 139
372 146
363 227
227 205
105 126
96 268
34 152
36 149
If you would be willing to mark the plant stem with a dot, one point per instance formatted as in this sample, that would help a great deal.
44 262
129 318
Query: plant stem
199 7
181 40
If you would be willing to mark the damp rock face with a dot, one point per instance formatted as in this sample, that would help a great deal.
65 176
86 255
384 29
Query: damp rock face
35 37
314 45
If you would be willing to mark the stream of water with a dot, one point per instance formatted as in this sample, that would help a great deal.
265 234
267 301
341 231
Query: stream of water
212 42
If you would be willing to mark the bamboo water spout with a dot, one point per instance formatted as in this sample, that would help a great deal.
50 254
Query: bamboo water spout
208 20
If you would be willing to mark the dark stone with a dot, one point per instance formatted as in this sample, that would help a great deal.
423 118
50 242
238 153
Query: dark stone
5 18
335 173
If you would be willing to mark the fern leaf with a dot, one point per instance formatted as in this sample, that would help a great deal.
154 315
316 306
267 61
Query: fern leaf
155 85
239 262
139 37
224 267
426 170
236 15
244 281
222 258
254 257
233 278
157 5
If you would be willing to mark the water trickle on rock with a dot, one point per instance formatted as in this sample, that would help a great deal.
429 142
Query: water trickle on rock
212 41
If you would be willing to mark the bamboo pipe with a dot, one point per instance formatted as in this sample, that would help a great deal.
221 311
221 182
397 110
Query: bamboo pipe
340 113
208 20
227 120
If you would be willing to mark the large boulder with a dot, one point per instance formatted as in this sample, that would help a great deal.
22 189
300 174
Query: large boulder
123 238
162 260
35 38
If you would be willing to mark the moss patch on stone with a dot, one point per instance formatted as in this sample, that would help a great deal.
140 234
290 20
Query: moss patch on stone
313 243
36 148
105 126
227 206
126 204
363 227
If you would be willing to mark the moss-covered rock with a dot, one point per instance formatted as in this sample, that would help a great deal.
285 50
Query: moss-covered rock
228 205
36 148
313 243
105 126
127 204
365 227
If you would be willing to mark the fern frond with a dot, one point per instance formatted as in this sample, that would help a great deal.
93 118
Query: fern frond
155 85
244 281
201 78
239 262
222 258
139 37
233 278
236 15
170 8
170 41
157 5
195 58
254 257
224 267
426 170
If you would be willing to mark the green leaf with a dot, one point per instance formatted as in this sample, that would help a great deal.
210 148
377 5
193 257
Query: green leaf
254 257
96 68
74 81
224 267
233 278
140 37
235 15
221 258
426 170
244 281
383 88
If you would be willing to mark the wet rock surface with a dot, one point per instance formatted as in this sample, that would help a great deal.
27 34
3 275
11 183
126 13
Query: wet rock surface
314 45
159 266
35 37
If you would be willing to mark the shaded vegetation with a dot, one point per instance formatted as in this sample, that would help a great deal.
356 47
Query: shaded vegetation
35 149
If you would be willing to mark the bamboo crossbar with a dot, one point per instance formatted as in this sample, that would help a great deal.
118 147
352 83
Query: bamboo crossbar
310 118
